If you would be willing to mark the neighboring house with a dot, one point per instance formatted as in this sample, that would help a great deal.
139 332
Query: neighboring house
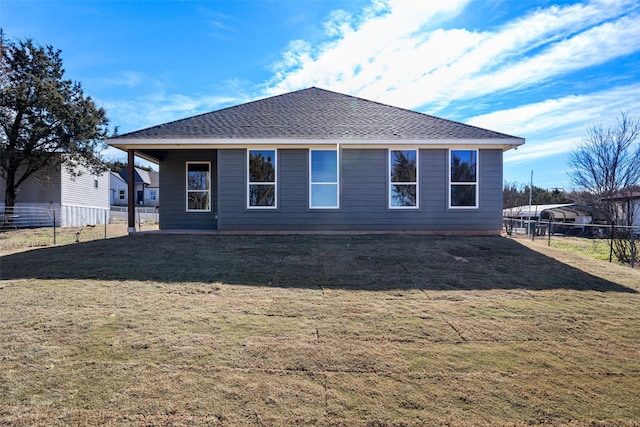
152 189
118 189
628 204
146 187
319 160
76 201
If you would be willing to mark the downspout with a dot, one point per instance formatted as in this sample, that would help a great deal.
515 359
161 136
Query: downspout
131 204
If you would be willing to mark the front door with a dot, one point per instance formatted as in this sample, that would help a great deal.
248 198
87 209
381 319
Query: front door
140 197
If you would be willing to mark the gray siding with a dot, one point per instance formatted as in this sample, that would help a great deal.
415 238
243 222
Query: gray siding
173 210
363 196
41 188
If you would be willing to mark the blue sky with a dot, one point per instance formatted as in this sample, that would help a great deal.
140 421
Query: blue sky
542 70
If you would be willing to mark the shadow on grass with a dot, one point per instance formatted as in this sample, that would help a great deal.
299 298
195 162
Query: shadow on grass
366 262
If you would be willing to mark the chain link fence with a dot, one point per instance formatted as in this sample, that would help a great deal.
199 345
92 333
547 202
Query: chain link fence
29 227
613 243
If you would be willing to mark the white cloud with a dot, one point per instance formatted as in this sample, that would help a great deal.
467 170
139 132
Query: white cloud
590 47
386 54
369 44
125 78
553 126
552 114
159 108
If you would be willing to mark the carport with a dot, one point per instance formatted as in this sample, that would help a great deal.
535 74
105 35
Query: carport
573 213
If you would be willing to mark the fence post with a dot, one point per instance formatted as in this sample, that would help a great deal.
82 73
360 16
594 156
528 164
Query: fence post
54 227
633 248
533 232
105 224
611 243
549 231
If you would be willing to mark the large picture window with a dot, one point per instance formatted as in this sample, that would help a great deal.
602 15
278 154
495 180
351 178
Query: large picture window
198 187
323 183
261 179
463 179
403 179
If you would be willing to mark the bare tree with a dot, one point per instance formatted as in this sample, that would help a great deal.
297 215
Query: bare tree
607 162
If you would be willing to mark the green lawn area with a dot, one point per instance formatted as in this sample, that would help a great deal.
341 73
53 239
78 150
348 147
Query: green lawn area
343 330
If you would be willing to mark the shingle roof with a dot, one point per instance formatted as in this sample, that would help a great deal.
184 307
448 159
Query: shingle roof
314 113
141 176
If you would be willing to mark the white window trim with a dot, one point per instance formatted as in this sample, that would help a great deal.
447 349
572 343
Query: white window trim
336 183
390 183
476 182
122 195
187 186
153 194
274 183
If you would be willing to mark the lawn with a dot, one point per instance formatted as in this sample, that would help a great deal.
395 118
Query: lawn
345 330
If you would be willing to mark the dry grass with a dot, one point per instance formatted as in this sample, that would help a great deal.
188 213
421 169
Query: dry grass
21 239
380 330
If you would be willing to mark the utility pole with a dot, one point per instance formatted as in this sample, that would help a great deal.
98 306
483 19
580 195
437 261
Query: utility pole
530 200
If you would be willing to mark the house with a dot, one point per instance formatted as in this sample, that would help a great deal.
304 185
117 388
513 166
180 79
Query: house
627 203
118 186
146 188
314 159
74 200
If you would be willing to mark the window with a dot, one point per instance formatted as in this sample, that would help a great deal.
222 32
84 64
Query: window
261 180
403 179
198 186
323 182
153 195
95 182
121 194
463 179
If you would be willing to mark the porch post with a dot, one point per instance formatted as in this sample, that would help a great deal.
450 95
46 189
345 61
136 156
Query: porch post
131 186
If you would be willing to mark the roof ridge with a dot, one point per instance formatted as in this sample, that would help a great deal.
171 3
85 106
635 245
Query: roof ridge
315 113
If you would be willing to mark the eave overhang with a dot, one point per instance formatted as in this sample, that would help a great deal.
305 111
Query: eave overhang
140 145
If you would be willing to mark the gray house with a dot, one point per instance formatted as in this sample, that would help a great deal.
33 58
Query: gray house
319 160
146 188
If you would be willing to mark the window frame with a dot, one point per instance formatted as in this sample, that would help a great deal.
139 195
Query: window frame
153 194
122 195
336 182
250 183
187 191
475 183
391 183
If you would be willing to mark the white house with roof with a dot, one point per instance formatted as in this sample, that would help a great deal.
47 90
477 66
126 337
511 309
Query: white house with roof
74 200
318 160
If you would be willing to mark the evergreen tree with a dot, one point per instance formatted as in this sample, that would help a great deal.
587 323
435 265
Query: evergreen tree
45 119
